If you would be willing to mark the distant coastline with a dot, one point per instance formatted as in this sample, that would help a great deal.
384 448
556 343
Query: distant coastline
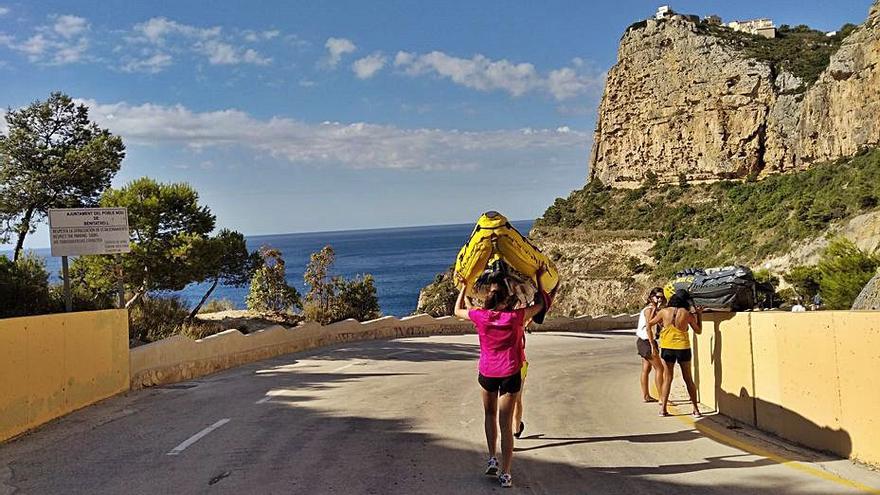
402 259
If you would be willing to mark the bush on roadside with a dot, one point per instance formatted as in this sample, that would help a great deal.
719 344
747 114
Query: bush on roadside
355 298
844 269
24 287
332 299
217 305
155 317
438 298
270 292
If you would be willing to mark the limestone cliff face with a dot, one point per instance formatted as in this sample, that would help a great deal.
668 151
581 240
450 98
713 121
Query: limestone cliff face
841 112
683 101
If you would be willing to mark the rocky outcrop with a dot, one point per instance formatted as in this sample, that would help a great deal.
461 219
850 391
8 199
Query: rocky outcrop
597 269
841 112
683 102
869 298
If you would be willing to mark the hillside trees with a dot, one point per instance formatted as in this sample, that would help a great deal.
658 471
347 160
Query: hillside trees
269 291
225 258
52 156
844 270
333 299
170 243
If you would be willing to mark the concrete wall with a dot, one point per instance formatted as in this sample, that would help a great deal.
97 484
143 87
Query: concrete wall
807 377
52 365
180 358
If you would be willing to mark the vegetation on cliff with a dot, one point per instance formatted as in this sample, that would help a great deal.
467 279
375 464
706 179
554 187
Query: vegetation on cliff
728 221
800 50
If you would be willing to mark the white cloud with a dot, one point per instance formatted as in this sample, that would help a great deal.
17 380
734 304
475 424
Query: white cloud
354 145
336 48
256 36
153 64
155 30
34 47
4 11
69 26
220 53
484 74
368 66
164 35
63 42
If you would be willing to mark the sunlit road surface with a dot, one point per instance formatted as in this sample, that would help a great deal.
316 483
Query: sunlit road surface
404 416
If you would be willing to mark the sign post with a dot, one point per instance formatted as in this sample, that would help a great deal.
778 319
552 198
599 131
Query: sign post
87 231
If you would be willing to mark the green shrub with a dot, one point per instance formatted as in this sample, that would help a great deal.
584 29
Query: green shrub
217 305
844 269
24 287
332 299
804 280
155 318
81 297
355 298
198 329
270 293
438 298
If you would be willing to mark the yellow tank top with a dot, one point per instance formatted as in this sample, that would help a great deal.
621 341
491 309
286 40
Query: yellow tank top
673 338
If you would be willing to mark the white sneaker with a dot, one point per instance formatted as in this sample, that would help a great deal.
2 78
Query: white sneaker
492 467
506 480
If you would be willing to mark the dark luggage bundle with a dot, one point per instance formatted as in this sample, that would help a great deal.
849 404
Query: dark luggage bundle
728 288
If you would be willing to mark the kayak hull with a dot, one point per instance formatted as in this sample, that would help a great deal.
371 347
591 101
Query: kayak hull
495 238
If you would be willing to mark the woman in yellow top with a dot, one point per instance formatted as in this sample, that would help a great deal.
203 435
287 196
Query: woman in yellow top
675 343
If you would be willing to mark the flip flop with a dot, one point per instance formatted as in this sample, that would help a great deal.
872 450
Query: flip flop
663 414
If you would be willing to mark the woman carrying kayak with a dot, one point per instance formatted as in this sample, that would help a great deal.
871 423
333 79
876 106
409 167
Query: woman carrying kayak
500 329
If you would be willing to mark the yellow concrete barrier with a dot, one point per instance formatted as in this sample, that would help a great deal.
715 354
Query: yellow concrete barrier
54 364
807 377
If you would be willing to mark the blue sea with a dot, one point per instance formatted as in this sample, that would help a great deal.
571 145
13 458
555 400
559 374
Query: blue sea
402 260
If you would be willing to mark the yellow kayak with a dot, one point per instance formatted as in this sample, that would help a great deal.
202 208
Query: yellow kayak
494 238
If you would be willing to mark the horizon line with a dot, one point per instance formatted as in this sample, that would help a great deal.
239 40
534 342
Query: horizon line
334 231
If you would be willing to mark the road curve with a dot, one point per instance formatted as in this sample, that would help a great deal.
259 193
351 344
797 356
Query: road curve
402 417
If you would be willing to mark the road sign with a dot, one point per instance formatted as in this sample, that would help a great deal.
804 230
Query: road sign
80 231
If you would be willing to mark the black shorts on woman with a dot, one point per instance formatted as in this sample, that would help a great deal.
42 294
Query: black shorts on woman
501 385
676 355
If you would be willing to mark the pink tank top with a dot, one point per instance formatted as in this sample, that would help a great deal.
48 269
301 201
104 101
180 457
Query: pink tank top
501 341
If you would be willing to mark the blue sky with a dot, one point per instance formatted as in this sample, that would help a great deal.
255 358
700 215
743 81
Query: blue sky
307 116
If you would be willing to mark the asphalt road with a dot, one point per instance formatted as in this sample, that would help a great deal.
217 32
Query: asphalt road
404 416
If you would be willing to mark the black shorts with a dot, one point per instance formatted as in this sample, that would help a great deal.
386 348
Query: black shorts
676 355
504 385
644 348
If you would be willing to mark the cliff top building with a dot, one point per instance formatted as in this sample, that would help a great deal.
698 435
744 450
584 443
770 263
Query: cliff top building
761 27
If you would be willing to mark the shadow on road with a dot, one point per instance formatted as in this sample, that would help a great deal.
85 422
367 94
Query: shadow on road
290 446
403 351
678 436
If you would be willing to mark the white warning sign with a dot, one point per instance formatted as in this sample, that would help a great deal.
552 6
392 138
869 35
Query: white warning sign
79 231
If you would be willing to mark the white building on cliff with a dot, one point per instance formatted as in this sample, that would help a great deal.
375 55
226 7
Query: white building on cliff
761 27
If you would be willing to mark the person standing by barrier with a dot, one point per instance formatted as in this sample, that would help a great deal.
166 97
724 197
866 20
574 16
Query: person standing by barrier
647 346
500 330
675 344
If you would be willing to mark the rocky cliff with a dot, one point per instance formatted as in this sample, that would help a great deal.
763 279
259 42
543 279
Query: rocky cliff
690 100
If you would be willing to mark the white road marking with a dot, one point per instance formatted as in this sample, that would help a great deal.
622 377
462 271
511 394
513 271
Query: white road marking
399 353
343 367
264 400
198 436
